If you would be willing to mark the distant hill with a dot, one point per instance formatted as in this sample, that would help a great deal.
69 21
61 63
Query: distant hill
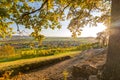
16 37
27 39
21 37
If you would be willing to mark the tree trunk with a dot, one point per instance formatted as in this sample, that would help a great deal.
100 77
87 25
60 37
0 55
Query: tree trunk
112 67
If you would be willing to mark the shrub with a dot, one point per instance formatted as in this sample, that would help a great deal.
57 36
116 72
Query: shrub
7 50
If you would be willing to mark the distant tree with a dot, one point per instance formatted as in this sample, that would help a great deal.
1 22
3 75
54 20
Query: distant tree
103 38
32 45
40 39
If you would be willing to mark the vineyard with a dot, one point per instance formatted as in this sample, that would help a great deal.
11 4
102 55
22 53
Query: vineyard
10 50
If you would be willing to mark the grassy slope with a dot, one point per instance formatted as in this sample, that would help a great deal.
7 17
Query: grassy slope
41 61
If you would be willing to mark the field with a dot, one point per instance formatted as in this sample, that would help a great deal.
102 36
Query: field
19 54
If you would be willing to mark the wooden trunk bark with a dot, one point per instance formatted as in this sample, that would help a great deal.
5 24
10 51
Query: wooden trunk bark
112 67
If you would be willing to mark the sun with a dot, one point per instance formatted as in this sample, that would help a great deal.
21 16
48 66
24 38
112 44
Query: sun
92 31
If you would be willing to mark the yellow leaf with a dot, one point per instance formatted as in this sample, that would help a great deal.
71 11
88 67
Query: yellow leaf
31 0
7 5
16 1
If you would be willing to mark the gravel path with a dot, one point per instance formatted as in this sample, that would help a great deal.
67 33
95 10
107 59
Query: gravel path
55 72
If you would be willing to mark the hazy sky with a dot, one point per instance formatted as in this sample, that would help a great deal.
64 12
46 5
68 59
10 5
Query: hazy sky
64 32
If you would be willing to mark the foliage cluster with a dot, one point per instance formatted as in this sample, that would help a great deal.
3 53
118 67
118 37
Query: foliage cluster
88 46
49 13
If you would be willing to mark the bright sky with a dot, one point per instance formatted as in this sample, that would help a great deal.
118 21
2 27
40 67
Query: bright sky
92 31
64 32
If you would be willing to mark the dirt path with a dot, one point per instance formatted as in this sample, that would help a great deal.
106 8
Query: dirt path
55 72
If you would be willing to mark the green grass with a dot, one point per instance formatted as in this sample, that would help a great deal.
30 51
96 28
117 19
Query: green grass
31 60
22 64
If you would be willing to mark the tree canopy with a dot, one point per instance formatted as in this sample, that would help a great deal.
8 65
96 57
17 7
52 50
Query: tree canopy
49 13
